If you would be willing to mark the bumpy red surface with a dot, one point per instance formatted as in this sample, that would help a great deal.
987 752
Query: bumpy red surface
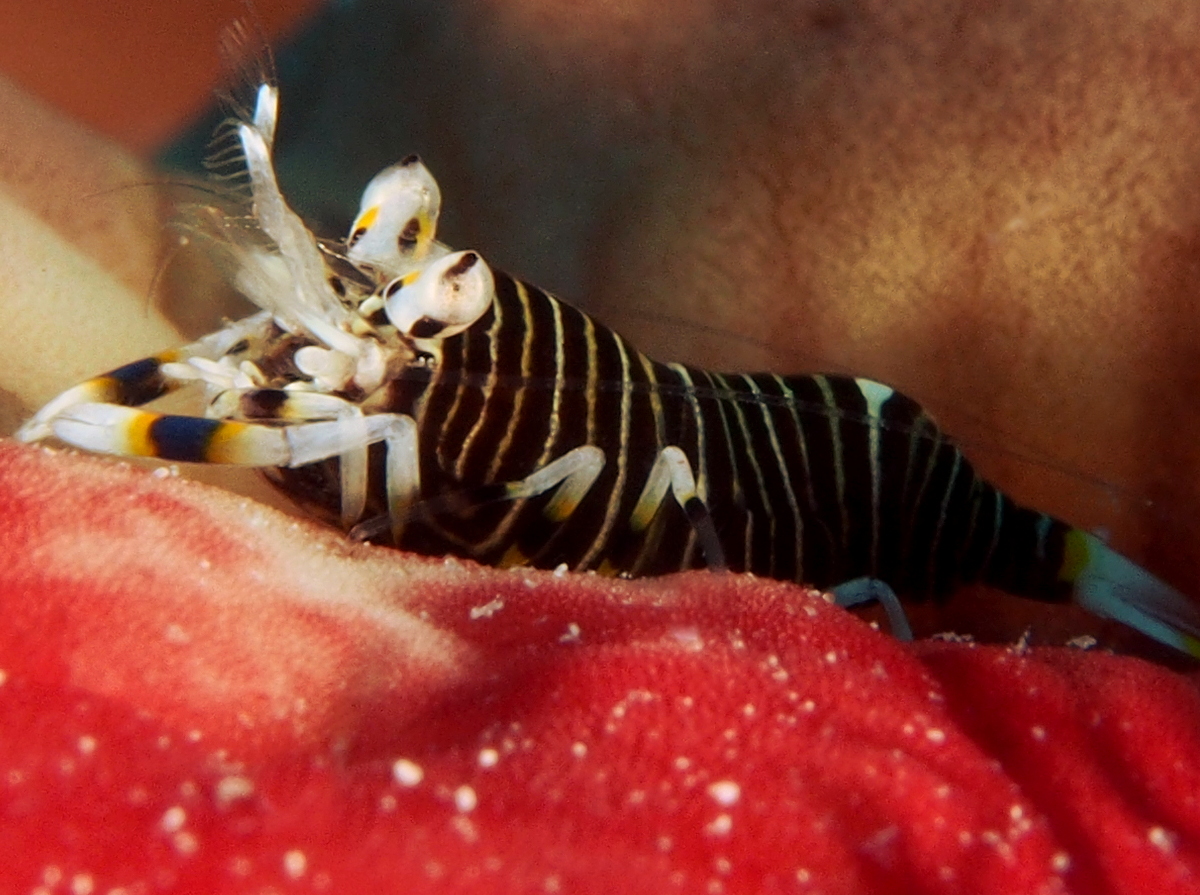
200 695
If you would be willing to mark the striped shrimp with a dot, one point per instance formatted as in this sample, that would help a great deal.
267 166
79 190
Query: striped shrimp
425 401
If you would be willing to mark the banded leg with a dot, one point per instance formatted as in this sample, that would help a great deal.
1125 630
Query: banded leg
673 471
126 431
150 378
860 591
296 406
137 383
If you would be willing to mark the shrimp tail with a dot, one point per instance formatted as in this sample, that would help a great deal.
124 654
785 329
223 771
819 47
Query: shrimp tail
1109 585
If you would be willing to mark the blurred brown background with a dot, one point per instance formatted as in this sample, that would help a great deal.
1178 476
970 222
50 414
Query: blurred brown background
138 72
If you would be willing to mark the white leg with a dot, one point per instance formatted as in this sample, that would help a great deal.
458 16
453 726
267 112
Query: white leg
573 473
127 431
403 471
673 470
306 407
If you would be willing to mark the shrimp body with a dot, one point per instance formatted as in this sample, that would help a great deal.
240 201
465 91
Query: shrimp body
426 401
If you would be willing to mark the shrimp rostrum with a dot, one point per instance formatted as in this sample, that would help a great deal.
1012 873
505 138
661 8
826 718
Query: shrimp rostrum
423 400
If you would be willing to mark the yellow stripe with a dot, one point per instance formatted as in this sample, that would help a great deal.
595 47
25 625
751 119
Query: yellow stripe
229 443
513 557
1076 556
106 389
137 435
366 220
424 233
101 390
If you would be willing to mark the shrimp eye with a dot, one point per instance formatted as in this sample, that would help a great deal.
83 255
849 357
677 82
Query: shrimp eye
426 328
444 299
408 236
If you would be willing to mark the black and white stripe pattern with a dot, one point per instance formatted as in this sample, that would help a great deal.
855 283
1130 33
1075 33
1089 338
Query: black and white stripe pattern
819 479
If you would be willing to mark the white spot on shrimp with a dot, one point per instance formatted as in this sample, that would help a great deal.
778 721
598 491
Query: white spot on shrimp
487 610
488 758
879 843
3 677
173 819
173 633
689 638
719 826
185 843
82 884
935 736
579 750
1060 862
1021 647
1162 839
465 829
233 788
465 799
831 657
1038 732
295 863
86 745
571 635
407 773
876 395
725 792
561 570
